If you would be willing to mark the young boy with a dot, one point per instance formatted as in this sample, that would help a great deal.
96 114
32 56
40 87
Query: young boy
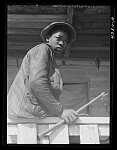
37 86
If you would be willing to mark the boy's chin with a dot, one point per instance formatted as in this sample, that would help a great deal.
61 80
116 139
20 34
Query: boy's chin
59 53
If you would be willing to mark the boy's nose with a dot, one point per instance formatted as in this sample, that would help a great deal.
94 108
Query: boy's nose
61 42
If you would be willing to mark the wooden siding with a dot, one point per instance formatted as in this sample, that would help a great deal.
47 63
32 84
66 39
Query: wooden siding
92 25
24 31
93 31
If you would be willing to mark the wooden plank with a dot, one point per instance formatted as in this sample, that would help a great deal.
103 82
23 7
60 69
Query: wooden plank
24 31
104 130
93 120
27 24
37 31
91 17
59 135
74 130
91 48
20 47
12 139
22 43
89 134
24 38
94 31
27 134
35 9
41 128
90 54
31 17
11 129
54 120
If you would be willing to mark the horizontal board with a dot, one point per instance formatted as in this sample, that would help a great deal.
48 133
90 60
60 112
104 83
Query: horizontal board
91 48
25 38
86 39
28 24
33 9
91 53
94 31
22 47
34 18
37 31
74 49
79 44
21 43
54 120
24 31
90 16
44 24
100 83
94 25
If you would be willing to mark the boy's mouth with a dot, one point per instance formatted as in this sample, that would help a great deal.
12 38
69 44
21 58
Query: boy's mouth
60 48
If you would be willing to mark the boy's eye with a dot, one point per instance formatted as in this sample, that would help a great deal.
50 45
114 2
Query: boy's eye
58 38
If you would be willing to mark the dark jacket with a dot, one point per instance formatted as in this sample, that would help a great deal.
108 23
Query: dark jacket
33 93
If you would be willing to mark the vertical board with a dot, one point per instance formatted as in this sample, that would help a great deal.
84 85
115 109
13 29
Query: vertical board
27 134
74 134
89 134
74 130
59 135
40 129
11 134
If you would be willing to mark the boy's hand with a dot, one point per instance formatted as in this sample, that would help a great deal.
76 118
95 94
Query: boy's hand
69 116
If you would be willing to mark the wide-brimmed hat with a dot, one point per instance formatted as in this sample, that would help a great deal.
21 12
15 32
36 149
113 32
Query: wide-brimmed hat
59 25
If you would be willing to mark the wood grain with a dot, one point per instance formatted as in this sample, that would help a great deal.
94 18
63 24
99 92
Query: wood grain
89 134
23 131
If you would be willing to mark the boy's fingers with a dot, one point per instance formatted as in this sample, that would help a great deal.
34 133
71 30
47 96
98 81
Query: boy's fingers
66 120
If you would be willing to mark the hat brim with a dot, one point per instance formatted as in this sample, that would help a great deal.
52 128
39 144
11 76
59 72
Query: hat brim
67 26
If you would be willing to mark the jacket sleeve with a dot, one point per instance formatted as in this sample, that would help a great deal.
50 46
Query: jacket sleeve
39 83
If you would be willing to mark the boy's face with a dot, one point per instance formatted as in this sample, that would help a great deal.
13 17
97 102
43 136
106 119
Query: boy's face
58 41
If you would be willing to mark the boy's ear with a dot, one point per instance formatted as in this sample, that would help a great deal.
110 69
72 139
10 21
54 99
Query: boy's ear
47 38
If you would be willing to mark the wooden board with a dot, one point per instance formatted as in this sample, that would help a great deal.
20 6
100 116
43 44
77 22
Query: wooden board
41 128
59 135
11 134
54 120
89 134
74 130
29 17
27 134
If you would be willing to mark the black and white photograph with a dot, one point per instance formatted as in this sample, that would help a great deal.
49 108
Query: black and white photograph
58 74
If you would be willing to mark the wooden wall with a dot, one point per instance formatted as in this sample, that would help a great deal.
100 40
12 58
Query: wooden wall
24 24
93 33
24 31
